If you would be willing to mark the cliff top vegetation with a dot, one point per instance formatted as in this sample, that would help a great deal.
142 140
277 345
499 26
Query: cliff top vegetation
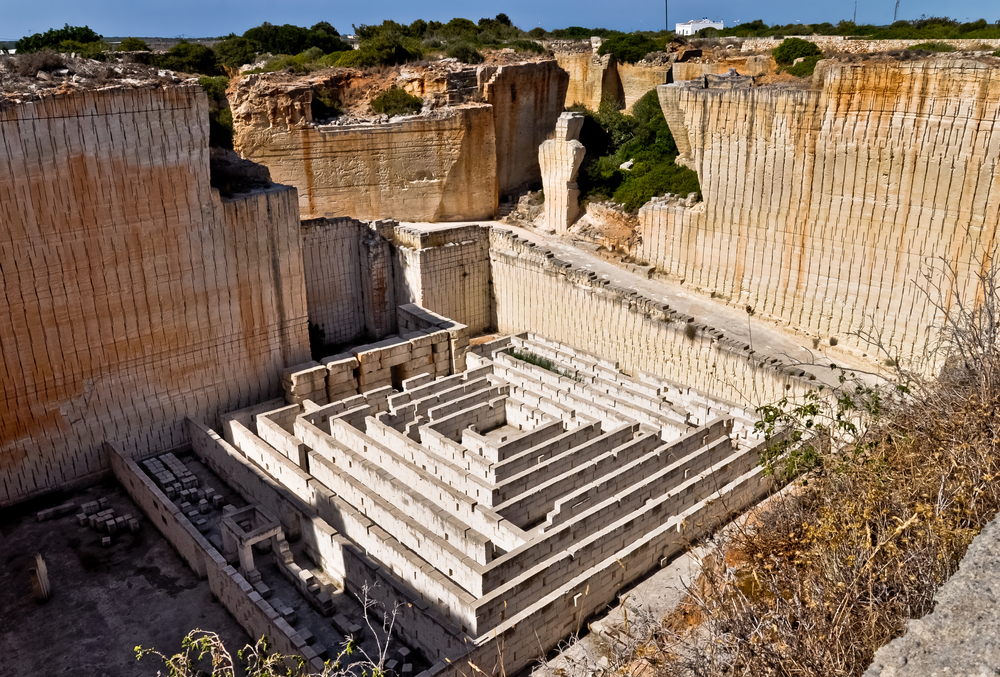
924 28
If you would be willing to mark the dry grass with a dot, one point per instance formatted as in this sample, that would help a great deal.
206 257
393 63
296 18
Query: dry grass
832 570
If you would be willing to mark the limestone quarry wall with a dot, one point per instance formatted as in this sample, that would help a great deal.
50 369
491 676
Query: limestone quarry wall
534 291
447 272
590 76
436 167
593 77
527 100
822 207
637 80
135 295
331 257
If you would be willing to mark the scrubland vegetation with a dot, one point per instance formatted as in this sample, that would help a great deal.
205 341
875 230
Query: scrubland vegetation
612 138
890 484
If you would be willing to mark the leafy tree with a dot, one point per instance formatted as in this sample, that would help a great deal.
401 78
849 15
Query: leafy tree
613 138
793 48
235 51
538 32
54 37
133 45
188 57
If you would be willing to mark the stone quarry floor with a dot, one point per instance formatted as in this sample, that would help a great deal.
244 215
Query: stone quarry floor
105 600
765 337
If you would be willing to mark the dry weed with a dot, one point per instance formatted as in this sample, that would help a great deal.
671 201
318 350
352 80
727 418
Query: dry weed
832 570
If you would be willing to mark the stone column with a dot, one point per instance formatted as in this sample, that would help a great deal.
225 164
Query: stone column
560 158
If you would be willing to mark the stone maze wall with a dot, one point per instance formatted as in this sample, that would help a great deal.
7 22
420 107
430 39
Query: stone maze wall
132 296
505 501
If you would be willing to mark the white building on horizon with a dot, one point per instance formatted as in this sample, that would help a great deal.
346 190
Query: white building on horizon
695 25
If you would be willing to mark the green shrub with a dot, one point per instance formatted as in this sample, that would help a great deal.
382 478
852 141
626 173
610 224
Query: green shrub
996 53
54 37
220 128
289 39
628 48
325 105
88 50
804 68
215 87
525 46
933 46
133 45
537 33
613 138
793 48
188 57
396 101
465 53
235 51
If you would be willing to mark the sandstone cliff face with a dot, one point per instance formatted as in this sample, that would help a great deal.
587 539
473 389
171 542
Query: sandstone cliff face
822 207
133 296
527 100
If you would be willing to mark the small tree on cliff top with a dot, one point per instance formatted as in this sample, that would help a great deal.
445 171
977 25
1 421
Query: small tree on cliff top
794 48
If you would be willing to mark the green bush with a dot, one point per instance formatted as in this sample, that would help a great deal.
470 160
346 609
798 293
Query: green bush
188 57
525 46
220 128
396 101
325 105
794 48
289 39
996 53
933 46
465 53
88 50
613 138
54 37
804 68
235 51
215 87
220 117
629 48
133 45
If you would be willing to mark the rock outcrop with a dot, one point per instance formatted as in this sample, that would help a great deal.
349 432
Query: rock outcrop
823 206
560 158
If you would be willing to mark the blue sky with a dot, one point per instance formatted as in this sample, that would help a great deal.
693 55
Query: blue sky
202 18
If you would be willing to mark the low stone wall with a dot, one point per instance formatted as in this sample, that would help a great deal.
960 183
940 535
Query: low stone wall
228 586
